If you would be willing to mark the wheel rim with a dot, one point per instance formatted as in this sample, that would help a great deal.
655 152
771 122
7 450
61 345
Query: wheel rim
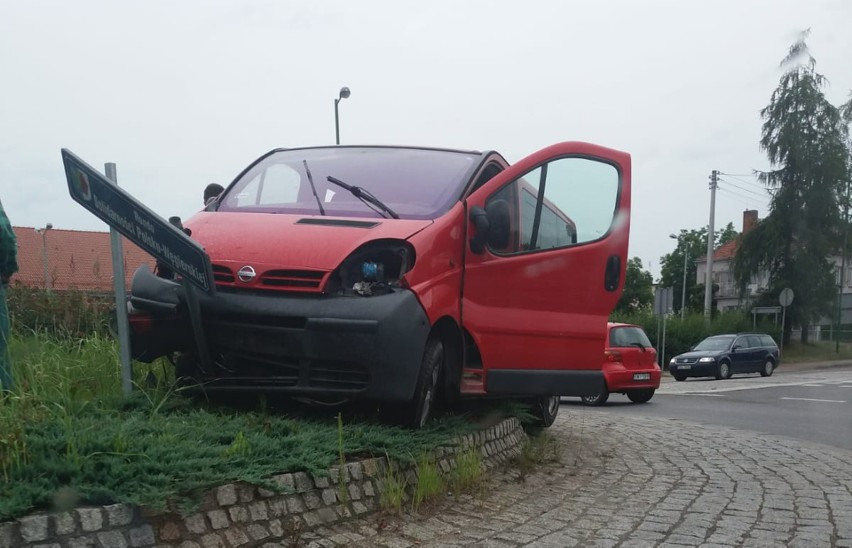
767 367
429 395
592 399
724 369
551 405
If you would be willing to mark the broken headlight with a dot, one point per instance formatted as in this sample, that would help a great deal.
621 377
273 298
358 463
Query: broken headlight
373 269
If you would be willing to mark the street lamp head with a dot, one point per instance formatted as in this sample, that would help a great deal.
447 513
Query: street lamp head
673 237
344 93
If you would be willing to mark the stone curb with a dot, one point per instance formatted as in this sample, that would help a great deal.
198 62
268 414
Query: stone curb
239 514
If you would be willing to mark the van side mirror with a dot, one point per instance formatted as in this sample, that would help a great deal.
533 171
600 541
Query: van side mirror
492 225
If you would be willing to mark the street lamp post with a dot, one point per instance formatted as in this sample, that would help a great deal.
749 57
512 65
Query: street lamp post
344 93
43 232
683 289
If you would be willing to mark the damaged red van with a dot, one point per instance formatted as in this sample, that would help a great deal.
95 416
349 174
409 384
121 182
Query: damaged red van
401 275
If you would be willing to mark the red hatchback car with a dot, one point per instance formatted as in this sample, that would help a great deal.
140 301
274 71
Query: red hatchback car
630 365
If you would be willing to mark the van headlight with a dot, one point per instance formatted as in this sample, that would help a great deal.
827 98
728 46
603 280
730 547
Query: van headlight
375 268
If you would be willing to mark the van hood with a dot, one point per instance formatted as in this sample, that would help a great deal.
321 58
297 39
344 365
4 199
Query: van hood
291 241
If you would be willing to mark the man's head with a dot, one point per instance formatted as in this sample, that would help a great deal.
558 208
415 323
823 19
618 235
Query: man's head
212 191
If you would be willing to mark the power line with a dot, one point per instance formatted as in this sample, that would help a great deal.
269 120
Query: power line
753 183
738 174
748 201
761 194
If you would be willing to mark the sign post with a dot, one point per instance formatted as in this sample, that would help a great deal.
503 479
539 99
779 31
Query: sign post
129 217
120 297
663 303
785 299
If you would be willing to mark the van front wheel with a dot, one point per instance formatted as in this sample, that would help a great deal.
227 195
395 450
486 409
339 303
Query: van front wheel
421 407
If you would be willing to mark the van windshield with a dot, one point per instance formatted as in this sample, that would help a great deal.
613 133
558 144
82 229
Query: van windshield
415 183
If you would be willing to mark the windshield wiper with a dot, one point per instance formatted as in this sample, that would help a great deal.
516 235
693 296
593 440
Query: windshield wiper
313 187
364 195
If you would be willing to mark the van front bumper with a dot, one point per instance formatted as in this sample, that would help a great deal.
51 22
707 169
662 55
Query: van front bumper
317 346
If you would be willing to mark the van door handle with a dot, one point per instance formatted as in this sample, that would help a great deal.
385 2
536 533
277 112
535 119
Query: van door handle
613 273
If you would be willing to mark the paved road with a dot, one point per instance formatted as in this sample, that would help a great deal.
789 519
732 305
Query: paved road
624 480
814 406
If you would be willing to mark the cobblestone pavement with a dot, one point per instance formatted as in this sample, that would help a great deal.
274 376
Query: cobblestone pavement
637 482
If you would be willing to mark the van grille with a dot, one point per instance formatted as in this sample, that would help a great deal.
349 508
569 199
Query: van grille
223 274
292 279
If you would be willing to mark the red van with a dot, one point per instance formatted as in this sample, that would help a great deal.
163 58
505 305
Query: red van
401 275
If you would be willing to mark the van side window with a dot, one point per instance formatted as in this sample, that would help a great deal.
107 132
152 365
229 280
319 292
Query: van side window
564 202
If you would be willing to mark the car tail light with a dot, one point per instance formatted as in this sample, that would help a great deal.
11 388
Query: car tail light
612 356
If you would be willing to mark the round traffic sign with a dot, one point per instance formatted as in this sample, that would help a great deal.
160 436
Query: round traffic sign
786 297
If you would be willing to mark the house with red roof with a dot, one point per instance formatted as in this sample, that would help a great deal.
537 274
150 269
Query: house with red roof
728 295
63 260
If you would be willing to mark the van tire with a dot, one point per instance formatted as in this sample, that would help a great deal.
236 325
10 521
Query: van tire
420 409
545 410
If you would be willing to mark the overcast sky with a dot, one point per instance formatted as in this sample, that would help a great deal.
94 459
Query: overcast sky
181 94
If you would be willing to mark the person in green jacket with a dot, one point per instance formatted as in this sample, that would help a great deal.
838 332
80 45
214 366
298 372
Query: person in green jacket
8 266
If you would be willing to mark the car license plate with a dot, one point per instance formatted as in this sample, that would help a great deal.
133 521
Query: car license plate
684 367
641 376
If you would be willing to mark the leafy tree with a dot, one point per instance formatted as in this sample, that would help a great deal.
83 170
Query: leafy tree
804 138
726 234
693 244
638 288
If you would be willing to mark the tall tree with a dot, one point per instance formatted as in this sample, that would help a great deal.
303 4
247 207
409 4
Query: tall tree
804 138
638 288
691 245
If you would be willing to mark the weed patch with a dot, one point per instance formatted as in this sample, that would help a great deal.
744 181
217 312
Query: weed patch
468 475
429 484
394 486
536 450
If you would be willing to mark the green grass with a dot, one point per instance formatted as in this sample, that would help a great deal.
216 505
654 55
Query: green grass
468 475
68 434
394 486
429 484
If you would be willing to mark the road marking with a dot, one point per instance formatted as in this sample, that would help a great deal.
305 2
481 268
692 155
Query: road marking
814 399
814 385
706 394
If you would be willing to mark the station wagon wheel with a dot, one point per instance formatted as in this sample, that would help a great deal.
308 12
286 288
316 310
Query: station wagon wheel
597 399
724 371
642 395
420 409
768 368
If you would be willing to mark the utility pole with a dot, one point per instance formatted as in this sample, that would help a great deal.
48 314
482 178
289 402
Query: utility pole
842 269
711 237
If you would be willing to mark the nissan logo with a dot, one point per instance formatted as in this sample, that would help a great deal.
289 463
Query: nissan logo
246 274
